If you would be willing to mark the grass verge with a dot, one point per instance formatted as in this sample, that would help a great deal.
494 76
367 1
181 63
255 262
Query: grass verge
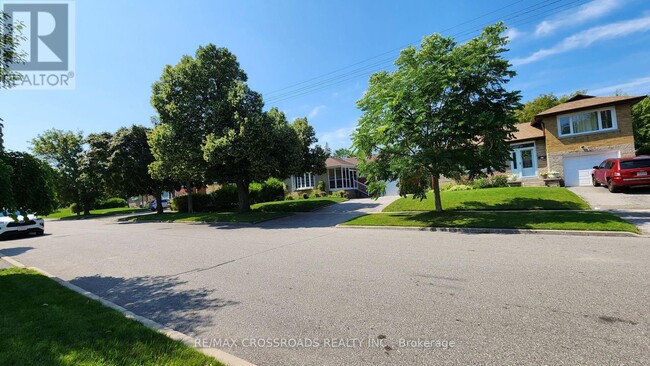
260 212
44 323
510 198
570 220
66 214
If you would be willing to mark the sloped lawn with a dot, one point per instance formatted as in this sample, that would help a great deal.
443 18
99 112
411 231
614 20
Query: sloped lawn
570 220
44 323
66 214
510 198
259 212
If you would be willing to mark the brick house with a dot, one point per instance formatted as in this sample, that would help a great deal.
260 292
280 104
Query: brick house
578 134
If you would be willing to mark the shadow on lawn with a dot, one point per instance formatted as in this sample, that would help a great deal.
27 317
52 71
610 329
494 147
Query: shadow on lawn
163 299
521 203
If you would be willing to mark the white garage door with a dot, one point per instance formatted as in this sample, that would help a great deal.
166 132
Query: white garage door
577 169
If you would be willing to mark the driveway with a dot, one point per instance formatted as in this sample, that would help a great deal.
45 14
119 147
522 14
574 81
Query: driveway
632 205
365 297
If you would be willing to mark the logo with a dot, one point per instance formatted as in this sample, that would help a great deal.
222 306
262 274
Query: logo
47 45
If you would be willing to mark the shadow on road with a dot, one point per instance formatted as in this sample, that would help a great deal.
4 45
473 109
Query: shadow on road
163 299
10 252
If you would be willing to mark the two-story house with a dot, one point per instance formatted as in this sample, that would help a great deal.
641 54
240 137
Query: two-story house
583 131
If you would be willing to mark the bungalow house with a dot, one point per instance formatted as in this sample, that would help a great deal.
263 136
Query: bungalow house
578 134
341 175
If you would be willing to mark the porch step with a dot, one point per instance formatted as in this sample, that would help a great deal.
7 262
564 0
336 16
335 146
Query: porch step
533 183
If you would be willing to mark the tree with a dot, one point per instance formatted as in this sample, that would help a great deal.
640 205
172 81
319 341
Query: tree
10 37
61 149
128 161
526 113
192 101
342 153
313 156
6 194
93 167
641 125
259 145
445 110
32 183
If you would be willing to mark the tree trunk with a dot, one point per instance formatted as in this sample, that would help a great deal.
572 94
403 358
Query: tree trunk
190 205
244 199
435 180
159 206
86 209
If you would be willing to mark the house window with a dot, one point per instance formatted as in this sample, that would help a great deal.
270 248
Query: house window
305 181
342 178
587 122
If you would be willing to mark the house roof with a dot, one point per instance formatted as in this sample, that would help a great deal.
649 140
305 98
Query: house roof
581 102
527 132
332 162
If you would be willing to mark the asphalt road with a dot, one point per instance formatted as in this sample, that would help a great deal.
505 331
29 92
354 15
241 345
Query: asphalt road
348 296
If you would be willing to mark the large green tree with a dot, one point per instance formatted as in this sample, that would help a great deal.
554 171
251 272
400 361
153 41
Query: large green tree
61 149
32 183
93 170
445 110
527 111
641 123
192 101
128 161
10 36
259 145
312 155
342 153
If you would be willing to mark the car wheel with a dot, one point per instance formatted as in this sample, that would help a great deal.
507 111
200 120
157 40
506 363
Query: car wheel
594 182
612 188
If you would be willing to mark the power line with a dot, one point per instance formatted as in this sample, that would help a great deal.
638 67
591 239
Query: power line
379 65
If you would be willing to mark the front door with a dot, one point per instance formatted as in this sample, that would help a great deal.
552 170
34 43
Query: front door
523 162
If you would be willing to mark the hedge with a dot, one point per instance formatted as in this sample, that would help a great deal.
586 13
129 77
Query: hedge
113 202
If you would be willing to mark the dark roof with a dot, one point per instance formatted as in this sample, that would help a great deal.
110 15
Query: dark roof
581 102
527 132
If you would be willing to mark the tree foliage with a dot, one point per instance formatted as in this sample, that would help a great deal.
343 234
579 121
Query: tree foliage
445 110
641 124
526 113
313 156
342 153
10 37
61 149
32 183
93 168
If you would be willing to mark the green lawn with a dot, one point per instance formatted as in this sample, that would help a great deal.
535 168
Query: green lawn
66 214
260 212
44 323
511 198
570 220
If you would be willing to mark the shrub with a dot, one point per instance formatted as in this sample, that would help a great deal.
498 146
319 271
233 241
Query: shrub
113 202
500 180
288 197
446 186
321 186
460 187
73 208
304 195
491 182
272 190
340 193
224 197
643 150
481 183
255 193
201 202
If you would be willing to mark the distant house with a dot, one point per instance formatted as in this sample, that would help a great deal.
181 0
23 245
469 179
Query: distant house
341 175
578 134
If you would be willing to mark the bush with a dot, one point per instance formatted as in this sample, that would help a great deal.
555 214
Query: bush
289 197
201 202
447 186
272 190
224 197
73 208
643 150
460 187
500 180
340 193
113 202
255 193
491 182
481 183
321 186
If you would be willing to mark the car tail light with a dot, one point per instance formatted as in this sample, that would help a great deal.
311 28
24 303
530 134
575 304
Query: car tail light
617 174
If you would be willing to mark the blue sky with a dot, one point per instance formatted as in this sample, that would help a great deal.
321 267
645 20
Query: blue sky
122 46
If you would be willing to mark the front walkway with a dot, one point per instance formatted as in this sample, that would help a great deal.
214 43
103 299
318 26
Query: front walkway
331 215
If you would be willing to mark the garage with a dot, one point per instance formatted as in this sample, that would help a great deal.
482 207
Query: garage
577 169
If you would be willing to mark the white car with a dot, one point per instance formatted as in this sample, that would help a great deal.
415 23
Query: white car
20 225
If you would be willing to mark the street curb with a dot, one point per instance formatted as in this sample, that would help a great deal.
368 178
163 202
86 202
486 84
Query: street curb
498 231
218 354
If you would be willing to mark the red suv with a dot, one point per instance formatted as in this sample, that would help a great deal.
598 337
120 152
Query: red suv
621 173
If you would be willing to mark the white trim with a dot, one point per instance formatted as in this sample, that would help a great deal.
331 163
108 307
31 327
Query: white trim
347 175
600 122
306 181
533 157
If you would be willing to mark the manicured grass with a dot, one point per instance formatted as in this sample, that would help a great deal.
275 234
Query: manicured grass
247 217
44 323
510 198
66 214
260 212
299 205
570 220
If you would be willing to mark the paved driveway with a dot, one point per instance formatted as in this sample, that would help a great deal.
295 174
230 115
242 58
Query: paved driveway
362 294
632 205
